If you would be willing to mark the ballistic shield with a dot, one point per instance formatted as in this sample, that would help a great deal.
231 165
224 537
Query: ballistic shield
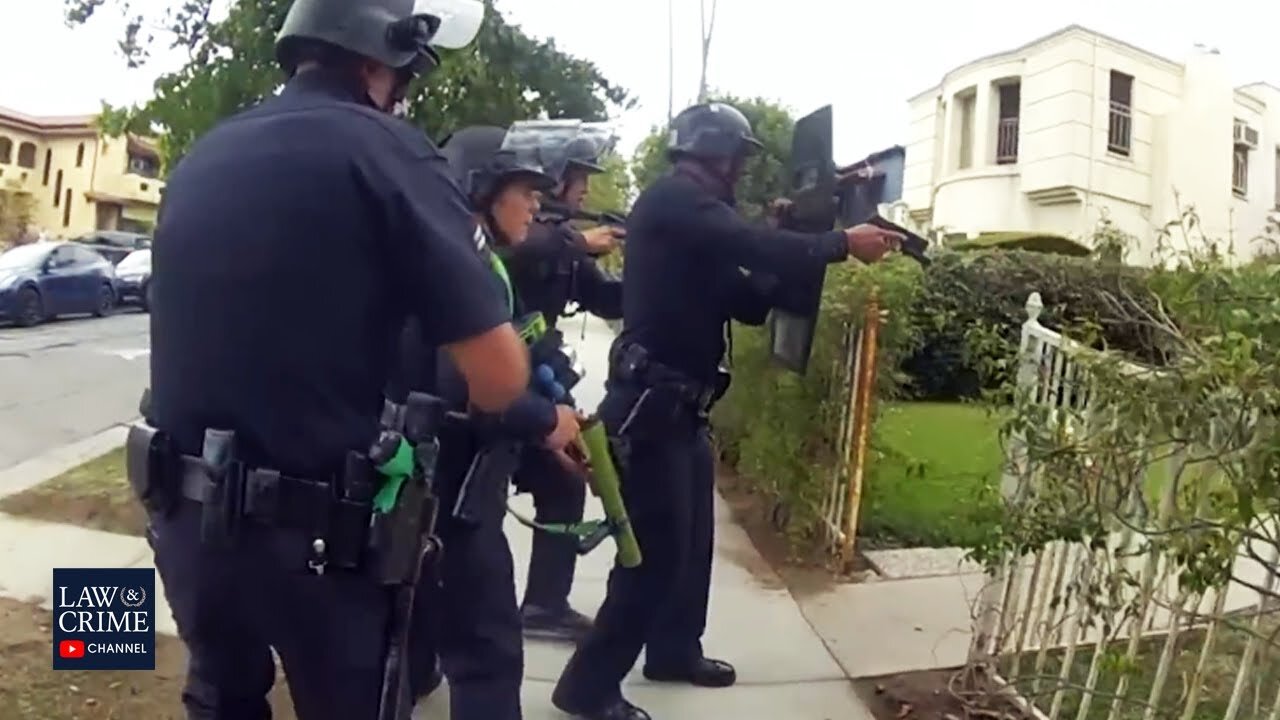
813 209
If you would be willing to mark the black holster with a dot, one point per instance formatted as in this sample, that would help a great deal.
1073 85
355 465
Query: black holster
151 468
484 487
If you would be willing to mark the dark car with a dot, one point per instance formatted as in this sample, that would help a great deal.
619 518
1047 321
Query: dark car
47 279
114 245
133 279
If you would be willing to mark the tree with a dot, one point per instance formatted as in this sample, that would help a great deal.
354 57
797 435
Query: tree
765 177
503 76
16 209
611 190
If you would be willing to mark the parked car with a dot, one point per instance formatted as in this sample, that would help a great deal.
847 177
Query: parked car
46 279
133 279
114 245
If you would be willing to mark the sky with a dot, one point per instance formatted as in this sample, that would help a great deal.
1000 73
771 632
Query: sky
863 58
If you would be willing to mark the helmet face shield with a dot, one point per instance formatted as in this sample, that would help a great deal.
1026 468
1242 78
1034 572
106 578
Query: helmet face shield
457 22
558 145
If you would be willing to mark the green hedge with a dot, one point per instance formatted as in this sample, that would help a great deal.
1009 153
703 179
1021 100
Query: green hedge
950 332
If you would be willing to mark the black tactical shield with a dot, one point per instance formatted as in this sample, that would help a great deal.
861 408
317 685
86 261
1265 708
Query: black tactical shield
813 184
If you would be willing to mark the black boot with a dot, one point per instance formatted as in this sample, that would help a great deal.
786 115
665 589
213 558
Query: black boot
567 625
703 672
619 709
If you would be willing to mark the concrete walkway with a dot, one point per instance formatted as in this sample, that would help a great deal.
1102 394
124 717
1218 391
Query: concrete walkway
784 668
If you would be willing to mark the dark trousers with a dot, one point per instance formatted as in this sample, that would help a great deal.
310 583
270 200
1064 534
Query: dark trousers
234 606
660 606
558 497
470 620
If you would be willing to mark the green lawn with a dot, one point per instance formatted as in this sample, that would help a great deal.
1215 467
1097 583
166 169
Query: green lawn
94 495
935 475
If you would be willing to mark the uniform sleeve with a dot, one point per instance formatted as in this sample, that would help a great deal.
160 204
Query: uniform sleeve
753 298
723 232
531 418
435 257
596 290
544 242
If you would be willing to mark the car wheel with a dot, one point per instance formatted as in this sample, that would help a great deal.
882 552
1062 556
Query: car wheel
30 307
145 298
106 301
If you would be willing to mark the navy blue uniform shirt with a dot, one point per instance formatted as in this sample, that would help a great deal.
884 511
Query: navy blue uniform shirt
293 241
424 368
551 267
685 254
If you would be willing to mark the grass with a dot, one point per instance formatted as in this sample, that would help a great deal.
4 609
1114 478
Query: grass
32 690
936 474
94 495
1216 682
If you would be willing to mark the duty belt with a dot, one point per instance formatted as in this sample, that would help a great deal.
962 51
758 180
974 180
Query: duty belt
632 363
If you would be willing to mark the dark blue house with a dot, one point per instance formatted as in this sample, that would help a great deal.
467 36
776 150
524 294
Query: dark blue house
864 185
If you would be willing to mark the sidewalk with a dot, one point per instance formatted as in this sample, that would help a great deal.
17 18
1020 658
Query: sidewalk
784 669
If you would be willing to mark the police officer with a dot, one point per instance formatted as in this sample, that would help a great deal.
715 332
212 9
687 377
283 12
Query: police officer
293 240
685 248
553 266
477 634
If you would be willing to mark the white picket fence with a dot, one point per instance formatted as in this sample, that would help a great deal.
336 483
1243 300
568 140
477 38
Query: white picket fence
1072 658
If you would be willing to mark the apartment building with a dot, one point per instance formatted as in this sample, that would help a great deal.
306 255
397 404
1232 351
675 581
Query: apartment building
1052 136
71 179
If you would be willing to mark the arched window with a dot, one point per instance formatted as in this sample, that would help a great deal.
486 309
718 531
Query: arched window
80 155
27 155
6 150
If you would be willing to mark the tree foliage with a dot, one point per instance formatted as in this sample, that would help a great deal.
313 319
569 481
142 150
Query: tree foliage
16 209
765 177
504 76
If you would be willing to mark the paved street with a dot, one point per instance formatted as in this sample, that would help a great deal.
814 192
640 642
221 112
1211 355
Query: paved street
66 380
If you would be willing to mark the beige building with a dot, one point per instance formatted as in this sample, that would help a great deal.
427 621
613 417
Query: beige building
70 179
1053 135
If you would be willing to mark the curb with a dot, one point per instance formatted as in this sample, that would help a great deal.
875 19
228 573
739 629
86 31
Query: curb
32 472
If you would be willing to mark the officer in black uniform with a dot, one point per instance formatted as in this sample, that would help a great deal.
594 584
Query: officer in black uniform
685 255
477 628
293 240
553 266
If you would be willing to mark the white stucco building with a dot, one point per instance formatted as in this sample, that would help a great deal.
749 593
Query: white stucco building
1049 136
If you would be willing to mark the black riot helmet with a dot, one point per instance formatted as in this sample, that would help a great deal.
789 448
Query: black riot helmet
483 164
581 154
397 33
711 131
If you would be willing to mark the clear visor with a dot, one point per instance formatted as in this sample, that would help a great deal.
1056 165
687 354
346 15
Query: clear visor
459 21
548 139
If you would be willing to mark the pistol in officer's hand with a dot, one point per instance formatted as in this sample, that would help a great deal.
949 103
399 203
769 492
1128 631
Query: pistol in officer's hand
870 243
602 238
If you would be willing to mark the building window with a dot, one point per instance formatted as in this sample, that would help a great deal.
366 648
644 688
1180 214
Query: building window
6 150
57 189
80 155
1120 116
66 209
1278 178
1240 171
27 155
1007 124
48 163
966 104
144 165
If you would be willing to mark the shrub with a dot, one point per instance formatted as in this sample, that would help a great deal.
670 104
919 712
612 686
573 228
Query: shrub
949 332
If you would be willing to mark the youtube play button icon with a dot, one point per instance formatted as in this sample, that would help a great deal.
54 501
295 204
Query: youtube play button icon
71 649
